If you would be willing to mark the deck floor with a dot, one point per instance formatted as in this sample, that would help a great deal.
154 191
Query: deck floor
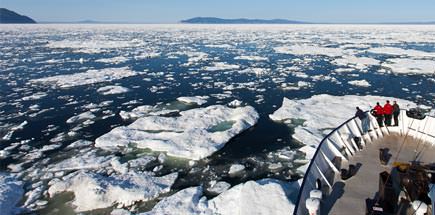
348 197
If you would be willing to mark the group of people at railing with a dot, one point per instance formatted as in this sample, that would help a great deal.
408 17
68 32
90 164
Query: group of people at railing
383 114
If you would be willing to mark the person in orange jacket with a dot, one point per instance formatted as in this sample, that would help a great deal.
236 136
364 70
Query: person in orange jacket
388 112
378 112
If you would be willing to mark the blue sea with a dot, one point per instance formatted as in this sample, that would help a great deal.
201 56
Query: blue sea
258 65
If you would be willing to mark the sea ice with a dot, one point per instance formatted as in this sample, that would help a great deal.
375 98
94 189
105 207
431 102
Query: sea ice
114 60
81 117
251 58
87 160
265 196
309 50
236 169
195 134
356 62
88 77
95 45
360 83
199 100
146 110
12 130
235 103
93 191
34 96
218 187
217 66
187 201
410 66
112 89
402 52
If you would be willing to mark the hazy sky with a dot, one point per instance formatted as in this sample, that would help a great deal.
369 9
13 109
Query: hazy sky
170 11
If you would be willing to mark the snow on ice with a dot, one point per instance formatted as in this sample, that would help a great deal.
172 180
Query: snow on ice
88 77
195 134
395 51
112 89
360 83
309 50
410 66
265 196
199 100
217 66
93 191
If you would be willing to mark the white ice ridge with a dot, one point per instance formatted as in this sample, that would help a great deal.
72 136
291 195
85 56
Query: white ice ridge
360 83
11 192
93 191
195 134
266 196
324 112
410 66
88 77
199 100
310 50
112 89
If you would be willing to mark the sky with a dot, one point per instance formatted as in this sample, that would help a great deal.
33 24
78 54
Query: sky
172 11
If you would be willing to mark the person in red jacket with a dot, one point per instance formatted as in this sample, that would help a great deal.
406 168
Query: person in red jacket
388 112
378 112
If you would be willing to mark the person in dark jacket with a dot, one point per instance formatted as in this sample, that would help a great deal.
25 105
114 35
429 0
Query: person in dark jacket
364 119
378 112
396 113
388 112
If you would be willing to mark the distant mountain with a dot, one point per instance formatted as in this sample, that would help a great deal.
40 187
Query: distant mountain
214 20
8 16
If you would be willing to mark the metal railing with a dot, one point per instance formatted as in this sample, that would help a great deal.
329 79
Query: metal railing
333 145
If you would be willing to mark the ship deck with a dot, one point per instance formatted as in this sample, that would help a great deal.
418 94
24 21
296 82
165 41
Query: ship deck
348 197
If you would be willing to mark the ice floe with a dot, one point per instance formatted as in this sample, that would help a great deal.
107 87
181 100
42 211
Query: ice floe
410 66
81 117
199 100
88 77
187 201
218 187
251 58
12 130
195 134
93 191
236 169
310 50
235 103
217 66
96 45
402 52
360 83
113 60
34 96
356 62
112 89
266 196
85 161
